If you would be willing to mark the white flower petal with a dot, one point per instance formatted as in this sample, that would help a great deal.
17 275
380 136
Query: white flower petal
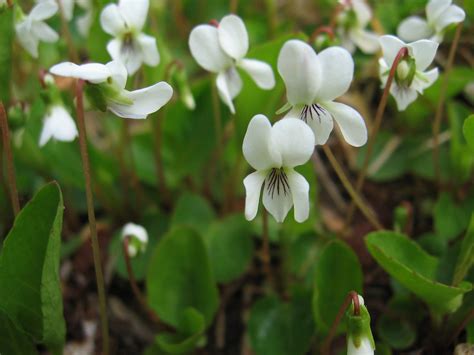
134 12
367 41
229 85
453 14
350 122
258 146
277 197
321 123
84 23
149 49
43 10
114 47
260 72
27 40
206 50
145 101
58 124
233 36
424 52
135 230
391 45
300 69
130 54
118 72
421 81
435 9
413 29
403 96
45 33
253 185
93 72
112 21
365 347
362 11
294 140
337 70
300 192
68 8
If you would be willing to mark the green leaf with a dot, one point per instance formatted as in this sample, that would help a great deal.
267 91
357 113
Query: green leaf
193 211
466 255
6 41
30 292
468 130
12 340
279 328
399 333
179 277
338 272
192 326
450 219
230 247
415 269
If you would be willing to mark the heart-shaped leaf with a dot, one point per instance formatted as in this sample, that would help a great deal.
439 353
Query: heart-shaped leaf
415 269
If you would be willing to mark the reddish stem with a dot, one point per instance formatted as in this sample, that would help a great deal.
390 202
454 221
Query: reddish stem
214 23
353 297
9 158
322 29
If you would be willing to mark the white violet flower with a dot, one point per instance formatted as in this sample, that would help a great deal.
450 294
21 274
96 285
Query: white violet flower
410 77
221 49
111 79
312 83
58 124
351 27
274 152
138 238
31 29
439 15
125 22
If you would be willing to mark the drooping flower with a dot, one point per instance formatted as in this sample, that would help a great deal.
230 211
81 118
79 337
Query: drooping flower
109 82
351 27
312 83
58 124
31 29
125 22
137 238
410 77
439 15
274 152
221 50
359 335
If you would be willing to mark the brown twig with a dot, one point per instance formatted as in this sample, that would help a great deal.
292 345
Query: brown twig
402 53
9 160
352 296
91 215
441 101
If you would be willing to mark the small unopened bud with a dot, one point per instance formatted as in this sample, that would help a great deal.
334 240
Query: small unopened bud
359 335
184 90
137 238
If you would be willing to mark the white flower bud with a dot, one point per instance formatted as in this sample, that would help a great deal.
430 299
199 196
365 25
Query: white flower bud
138 238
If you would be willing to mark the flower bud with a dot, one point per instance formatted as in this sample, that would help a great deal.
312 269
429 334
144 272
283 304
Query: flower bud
405 72
359 335
184 90
137 238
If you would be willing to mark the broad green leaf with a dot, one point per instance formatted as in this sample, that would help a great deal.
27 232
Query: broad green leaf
466 254
30 292
192 328
193 211
468 130
462 158
338 271
12 340
279 328
415 269
230 247
6 41
179 277
450 219
399 333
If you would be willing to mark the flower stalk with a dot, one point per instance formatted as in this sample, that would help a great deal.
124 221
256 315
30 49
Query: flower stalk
441 101
402 53
9 159
91 215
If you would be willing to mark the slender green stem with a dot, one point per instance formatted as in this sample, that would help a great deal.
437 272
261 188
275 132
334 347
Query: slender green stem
266 257
160 172
352 296
234 5
402 53
441 101
216 110
67 34
9 160
91 215
130 173
350 189
272 17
